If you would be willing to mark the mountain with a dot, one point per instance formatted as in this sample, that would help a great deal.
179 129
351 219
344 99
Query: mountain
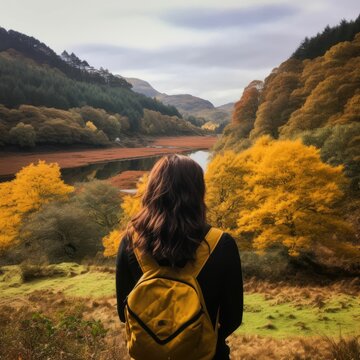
142 87
188 105
47 98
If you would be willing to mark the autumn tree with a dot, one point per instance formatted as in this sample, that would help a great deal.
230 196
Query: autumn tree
33 186
130 206
101 201
23 135
59 231
333 84
339 144
276 102
279 193
245 109
91 126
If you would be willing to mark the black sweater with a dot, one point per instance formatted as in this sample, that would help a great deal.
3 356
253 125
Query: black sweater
220 281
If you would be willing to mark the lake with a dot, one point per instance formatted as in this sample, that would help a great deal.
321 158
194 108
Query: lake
108 169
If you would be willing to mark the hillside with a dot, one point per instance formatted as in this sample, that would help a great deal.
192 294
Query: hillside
309 97
316 100
70 65
188 105
42 95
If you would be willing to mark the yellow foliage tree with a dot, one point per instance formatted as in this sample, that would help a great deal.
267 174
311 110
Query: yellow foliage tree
130 206
111 242
33 186
278 192
10 218
91 126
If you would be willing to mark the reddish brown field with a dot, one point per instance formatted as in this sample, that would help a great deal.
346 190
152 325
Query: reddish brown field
11 161
126 179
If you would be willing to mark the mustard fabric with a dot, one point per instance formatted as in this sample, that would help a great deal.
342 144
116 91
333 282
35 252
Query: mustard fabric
166 315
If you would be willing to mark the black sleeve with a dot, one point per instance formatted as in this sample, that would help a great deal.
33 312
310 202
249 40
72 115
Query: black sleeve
232 298
125 280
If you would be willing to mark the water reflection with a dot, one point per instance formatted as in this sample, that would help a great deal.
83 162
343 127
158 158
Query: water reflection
109 169
201 157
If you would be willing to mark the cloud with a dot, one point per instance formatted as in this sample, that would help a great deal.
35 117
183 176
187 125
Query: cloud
251 52
216 70
210 49
223 18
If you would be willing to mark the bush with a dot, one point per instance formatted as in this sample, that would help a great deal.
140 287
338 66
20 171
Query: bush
59 232
35 271
272 265
344 348
33 335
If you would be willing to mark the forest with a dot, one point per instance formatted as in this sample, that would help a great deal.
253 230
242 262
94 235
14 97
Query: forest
299 127
28 126
47 100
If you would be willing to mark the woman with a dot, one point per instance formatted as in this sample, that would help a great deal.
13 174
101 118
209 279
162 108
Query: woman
169 228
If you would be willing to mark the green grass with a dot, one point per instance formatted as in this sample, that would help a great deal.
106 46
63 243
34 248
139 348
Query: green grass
341 313
76 280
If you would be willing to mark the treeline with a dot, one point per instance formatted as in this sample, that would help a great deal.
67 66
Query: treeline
23 82
42 54
28 126
154 123
319 44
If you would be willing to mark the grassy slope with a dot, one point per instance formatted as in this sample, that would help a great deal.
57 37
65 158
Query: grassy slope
75 280
263 315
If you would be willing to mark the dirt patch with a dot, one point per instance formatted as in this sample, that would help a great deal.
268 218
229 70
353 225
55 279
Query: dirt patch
11 161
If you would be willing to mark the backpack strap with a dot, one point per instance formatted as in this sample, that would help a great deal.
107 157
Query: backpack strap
203 252
146 262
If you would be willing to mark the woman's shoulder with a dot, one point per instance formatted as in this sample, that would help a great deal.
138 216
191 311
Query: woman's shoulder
226 241
125 247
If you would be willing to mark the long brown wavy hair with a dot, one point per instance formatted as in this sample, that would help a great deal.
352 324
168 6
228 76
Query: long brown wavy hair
172 220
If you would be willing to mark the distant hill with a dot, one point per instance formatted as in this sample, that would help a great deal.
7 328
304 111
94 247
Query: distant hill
47 98
143 87
187 104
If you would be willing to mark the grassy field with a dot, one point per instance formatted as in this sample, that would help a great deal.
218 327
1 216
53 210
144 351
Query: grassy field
71 279
339 315
289 312
276 316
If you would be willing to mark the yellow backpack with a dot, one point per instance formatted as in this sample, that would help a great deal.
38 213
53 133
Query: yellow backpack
166 315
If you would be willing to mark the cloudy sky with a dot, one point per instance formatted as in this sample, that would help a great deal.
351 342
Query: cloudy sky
208 48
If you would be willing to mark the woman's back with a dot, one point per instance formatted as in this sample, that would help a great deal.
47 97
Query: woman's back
169 231
220 280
